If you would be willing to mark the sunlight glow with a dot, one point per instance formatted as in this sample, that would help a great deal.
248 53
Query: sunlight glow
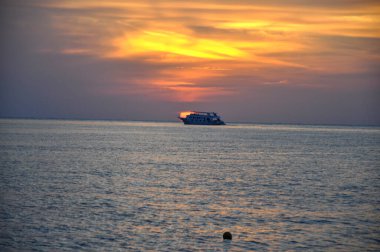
174 44
185 113
196 50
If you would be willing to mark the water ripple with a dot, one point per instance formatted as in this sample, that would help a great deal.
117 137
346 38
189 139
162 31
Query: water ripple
117 186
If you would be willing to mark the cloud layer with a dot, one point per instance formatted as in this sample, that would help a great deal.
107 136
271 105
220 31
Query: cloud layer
253 61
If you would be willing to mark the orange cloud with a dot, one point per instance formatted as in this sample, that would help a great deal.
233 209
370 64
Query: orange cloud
174 44
196 43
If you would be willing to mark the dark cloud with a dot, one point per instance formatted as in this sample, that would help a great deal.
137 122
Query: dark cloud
35 82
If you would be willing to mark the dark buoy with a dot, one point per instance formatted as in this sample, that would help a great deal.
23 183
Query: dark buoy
227 236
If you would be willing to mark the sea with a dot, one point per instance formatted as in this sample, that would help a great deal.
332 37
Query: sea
154 186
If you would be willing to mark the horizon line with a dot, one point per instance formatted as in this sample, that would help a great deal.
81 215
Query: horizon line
173 121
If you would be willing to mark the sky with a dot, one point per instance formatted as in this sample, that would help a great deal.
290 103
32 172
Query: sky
272 61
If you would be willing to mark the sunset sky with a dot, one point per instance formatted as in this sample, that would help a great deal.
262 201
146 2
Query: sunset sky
275 61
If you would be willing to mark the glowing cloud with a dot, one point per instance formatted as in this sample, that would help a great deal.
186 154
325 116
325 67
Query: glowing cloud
193 44
174 44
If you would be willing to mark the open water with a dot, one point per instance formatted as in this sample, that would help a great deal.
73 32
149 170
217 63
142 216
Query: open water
137 186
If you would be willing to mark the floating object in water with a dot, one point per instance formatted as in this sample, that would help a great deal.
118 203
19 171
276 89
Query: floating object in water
200 118
227 236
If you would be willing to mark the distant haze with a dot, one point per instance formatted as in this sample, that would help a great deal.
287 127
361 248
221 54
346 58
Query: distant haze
276 61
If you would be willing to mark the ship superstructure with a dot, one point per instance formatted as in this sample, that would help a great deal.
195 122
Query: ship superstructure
200 118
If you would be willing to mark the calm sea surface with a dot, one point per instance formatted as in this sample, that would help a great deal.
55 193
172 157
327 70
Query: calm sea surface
117 186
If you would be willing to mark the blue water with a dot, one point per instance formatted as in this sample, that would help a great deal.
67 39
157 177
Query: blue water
100 185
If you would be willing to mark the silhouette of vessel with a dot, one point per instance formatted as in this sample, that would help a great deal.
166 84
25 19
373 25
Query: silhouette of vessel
200 118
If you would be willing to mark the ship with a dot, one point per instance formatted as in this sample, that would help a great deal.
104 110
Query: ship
200 118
